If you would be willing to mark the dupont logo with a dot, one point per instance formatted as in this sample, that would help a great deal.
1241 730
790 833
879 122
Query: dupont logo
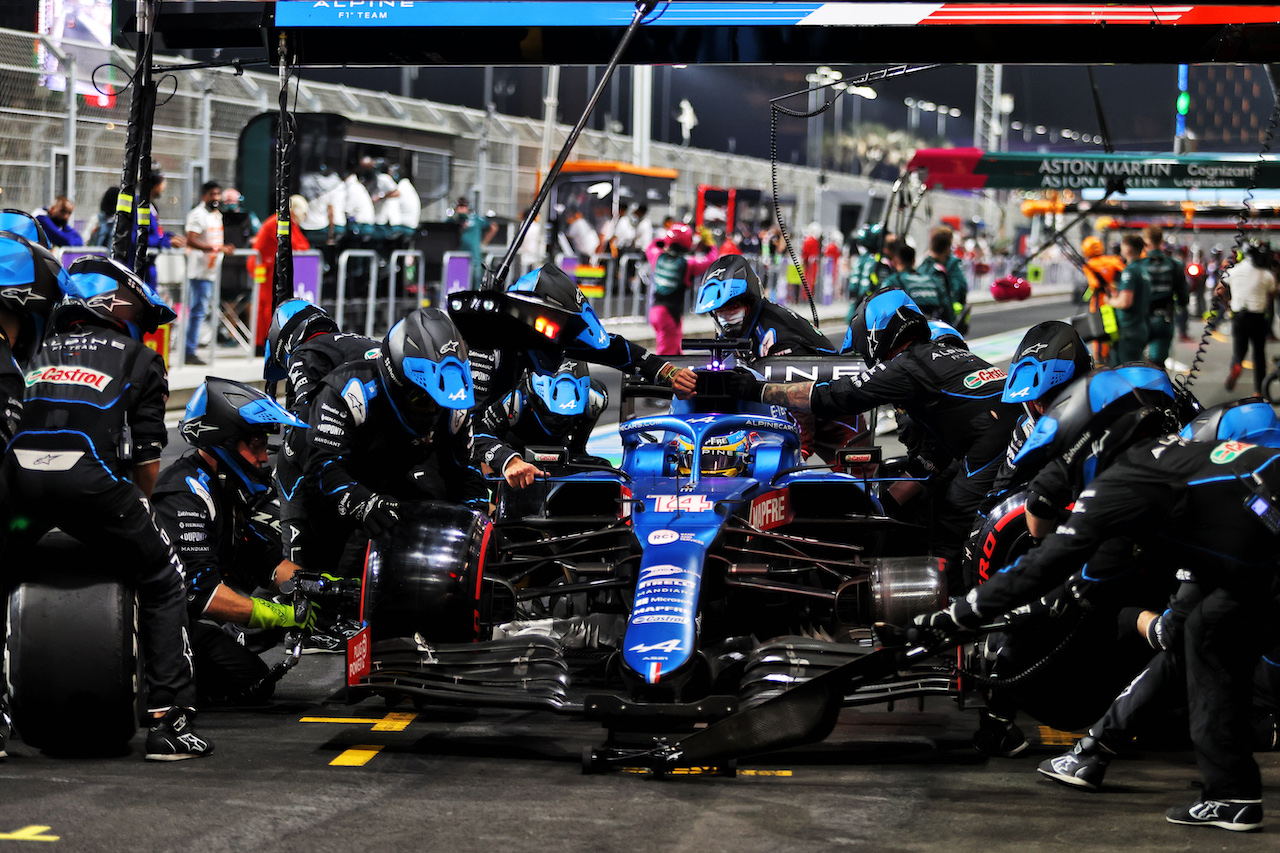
982 377
358 661
94 379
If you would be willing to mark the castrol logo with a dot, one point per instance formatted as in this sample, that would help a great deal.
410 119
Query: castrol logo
982 377
95 379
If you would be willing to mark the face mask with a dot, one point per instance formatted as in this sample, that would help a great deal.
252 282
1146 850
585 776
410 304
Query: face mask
732 319
211 205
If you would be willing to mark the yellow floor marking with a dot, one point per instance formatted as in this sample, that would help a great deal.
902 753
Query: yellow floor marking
357 756
764 772
1219 337
1053 737
29 833
396 721
1247 364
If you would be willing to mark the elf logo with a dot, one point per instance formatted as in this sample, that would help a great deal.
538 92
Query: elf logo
982 377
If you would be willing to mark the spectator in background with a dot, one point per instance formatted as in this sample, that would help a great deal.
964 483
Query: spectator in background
643 227
205 236
533 251
326 197
1133 295
810 252
266 244
474 233
358 208
582 239
410 205
157 237
675 269
239 227
382 189
56 221
105 227
1100 272
943 265
1250 286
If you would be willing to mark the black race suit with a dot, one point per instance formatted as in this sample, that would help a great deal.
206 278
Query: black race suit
1183 503
11 388
223 535
778 332
309 364
94 409
954 396
496 373
358 445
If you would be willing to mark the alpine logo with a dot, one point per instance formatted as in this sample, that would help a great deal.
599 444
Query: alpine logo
21 295
668 646
94 379
460 394
982 377
658 571
1021 392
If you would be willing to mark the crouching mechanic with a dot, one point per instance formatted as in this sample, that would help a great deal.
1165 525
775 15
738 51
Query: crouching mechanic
557 407
391 429
217 504
732 295
498 371
948 391
1216 500
86 458
304 346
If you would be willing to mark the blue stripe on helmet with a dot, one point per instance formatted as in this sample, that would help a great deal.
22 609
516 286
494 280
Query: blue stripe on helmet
268 411
22 225
17 266
198 403
1042 436
594 334
87 285
882 307
1106 388
717 292
1029 378
847 345
448 380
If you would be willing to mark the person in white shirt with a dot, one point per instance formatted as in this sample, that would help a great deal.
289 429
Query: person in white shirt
533 251
644 228
410 212
205 248
359 206
1251 286
326 197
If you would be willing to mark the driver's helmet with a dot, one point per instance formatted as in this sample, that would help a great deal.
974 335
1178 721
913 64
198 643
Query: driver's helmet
1050 355
678 236
1250 420
32 282
295 321
221 412
947 334
25 226
722 455
1010 288
424 367
563 392
882 323
870 237
731 294
106 292
551 285
1091 247
1091 423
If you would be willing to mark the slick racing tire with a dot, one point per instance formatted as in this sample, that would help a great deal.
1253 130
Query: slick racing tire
424 576
71 655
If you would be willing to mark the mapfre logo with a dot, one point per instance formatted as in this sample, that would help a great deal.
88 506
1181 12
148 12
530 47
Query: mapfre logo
982 377
94 379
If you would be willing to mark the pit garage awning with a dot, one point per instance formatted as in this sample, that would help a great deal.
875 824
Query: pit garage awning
577 32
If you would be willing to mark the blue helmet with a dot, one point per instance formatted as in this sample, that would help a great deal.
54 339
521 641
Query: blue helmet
1050 355
32 282
1091 422
1250 420
564 392
425 367
940 331
882 323
221 413
730 278
25 226
294 321
551 285
105 291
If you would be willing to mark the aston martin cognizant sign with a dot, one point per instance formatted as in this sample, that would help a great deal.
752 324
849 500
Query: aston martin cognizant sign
971 168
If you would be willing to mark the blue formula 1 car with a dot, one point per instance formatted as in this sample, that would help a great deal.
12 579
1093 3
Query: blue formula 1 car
711 570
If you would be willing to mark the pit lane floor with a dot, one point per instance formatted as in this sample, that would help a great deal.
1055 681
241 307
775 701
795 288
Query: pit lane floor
304 775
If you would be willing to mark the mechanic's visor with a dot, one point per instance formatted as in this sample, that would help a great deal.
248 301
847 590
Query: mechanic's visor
24 225
94 287
269 414
563 393
1030 379
1040 442
447 381
717 293
17 266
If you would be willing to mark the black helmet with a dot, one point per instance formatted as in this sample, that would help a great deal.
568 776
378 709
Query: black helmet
870 237
32 282
1250 420
882 323
24 225
425 367
727 280
550 285
107 292
222 412
1091 422
1051 354
294 321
